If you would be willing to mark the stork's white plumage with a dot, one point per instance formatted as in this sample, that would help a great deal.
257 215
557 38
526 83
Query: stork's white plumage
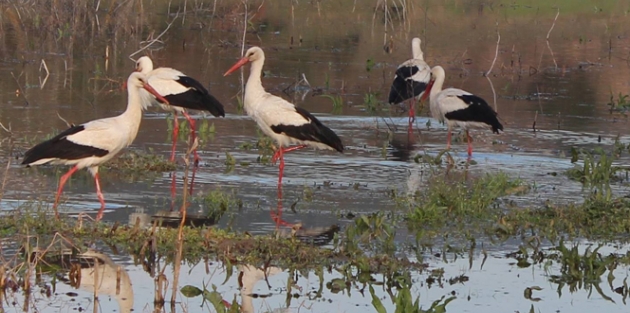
460 108
94 143
181 91
411 79
279 119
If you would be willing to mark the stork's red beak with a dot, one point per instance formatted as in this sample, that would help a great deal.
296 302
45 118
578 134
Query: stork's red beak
236 66
427 91
155 93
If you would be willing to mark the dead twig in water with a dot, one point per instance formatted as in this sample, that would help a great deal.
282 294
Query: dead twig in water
43 64
487 74
496 52
494 94
96 285
549 33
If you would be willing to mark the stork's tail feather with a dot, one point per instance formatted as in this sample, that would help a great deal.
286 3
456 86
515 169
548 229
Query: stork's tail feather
330 138
214 106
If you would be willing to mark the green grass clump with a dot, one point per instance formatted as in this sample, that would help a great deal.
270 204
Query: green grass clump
619 105
447 201
371 103
145 162
597 167
599 217
217 202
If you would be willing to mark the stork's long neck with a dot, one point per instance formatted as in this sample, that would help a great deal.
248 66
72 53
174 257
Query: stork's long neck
133 114
254 88
417 51
437 84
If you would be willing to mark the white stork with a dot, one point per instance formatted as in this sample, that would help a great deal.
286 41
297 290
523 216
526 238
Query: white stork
182 92
94 143
411 80
460 108
279 119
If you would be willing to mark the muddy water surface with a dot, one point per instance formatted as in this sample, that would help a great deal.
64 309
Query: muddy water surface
558 73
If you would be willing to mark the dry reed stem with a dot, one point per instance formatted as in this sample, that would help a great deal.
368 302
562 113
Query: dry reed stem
64 120
43 64
496 52
180 233
96 283
553 24
242 76
548 45
494 94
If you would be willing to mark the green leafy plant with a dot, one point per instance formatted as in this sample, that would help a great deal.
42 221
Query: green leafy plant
337 102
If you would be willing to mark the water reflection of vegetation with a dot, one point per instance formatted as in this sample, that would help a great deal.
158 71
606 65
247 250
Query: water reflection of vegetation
575 268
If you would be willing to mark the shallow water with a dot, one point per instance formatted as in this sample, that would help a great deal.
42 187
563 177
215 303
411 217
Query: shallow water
563 84
495 284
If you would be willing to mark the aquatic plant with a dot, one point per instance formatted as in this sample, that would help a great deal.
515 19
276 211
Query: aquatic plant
620 105
597 169
217 202
337 102
406 304
371 103
374 232
141 162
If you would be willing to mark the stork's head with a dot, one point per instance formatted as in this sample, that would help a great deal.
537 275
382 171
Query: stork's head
252 54
144 65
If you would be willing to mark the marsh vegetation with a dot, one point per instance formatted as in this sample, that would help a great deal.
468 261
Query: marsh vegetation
536 221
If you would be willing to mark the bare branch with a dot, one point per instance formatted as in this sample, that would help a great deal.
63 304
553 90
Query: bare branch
42 64
554 23
496 52
155 39
64 120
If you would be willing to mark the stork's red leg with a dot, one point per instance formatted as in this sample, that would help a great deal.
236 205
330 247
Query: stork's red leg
62 182
276 156
448 138
175 134
469 144
279 155
101 199
280 169
193 135
295 148
412 111
277 216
